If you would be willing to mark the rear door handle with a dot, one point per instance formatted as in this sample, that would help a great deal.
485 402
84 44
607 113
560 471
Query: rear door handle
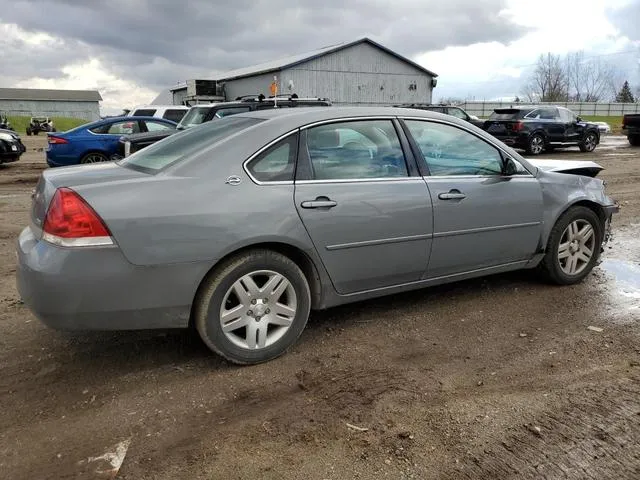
320 202
452 195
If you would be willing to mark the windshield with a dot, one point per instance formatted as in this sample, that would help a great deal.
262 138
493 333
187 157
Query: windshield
181 145
195 116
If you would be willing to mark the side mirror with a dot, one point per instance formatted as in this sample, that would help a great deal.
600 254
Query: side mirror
509 167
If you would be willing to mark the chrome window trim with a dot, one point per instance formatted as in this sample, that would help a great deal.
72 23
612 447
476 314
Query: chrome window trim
364 180
463 127
348 119
450 177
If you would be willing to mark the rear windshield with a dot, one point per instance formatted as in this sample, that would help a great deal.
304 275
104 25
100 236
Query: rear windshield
195 116
505 114
144 113
181 145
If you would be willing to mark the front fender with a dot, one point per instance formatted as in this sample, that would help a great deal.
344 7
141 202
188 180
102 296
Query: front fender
561 191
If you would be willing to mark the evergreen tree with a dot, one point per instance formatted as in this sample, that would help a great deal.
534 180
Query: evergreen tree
625 95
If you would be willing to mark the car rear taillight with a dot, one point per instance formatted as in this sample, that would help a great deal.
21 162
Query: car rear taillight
57 140
516 127
71 222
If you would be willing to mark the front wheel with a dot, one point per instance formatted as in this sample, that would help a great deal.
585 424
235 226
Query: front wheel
253 307
573 247
589 142
634 140
536 144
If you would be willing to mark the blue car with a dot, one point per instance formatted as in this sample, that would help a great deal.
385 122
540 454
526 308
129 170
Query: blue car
98 141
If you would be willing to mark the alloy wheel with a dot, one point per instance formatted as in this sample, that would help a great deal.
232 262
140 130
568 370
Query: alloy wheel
258 309
537 145
577 245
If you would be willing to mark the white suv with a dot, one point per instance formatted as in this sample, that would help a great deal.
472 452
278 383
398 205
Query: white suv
170 112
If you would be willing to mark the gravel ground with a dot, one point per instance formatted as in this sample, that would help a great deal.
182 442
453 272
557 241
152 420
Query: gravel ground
495 378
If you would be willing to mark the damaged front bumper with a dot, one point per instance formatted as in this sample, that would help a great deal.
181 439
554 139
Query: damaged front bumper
609 210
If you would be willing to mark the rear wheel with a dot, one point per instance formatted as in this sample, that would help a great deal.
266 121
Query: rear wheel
634 140
253 307
28 132
536 144
573 247
94 157
589 142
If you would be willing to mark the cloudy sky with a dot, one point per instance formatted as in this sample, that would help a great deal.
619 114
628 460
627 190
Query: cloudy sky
131 50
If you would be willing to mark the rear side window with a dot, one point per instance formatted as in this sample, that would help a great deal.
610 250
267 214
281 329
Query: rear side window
184 144
356 150
505 114
144 112
275 164
174 115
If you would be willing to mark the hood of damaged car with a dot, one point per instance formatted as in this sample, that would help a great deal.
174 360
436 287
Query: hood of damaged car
575 167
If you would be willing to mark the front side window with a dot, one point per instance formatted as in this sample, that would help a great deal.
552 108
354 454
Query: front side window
277 163
195 116
456 112
156 126
567 116
225 112
449 150
355 150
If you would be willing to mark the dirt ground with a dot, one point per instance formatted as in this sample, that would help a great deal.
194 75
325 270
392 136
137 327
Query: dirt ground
496 378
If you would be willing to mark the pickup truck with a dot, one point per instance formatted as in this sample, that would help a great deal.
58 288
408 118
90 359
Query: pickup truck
631 128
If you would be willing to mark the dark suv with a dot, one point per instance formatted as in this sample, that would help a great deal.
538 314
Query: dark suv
539 128
447 110
206 112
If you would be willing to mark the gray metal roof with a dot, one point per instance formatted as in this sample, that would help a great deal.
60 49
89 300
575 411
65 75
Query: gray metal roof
51 95
294 60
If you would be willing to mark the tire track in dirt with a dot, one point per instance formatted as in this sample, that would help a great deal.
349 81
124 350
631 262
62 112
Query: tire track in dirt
594 434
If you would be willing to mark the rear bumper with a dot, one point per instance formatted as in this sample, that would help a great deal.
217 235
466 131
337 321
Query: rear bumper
98 289
514 141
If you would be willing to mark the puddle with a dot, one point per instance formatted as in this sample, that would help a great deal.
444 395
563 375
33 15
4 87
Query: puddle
621 268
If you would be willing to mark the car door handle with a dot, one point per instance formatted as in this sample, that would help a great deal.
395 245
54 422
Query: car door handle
452 195
320 202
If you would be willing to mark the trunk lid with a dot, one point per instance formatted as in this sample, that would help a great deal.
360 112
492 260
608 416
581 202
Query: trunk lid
71 177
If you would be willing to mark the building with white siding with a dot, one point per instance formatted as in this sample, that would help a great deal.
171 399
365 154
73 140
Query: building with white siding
361 72
35 102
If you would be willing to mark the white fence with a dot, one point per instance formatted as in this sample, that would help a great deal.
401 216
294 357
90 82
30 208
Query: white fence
484 109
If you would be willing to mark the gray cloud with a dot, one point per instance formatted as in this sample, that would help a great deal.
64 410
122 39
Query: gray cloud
627 19
159 42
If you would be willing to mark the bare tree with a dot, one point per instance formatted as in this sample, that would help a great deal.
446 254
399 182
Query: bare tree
549 82
589 80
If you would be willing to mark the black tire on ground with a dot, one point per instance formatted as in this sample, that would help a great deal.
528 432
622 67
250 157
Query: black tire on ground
536 144
589 142
53 130
28 132
94 157
634 140
36 132
550 266
213 291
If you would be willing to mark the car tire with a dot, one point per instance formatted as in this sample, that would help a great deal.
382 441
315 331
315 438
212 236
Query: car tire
28 132
536 144
589 142
566 261
254 322
94 157
634 140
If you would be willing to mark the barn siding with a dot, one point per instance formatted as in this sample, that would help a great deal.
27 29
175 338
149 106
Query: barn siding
358 75
33 108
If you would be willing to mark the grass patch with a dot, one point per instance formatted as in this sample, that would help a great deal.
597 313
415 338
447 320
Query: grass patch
62 124
614 122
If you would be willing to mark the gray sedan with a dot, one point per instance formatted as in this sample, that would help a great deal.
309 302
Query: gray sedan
240 227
